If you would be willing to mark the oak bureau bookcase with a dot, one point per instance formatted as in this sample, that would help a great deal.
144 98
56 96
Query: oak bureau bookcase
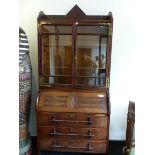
73 103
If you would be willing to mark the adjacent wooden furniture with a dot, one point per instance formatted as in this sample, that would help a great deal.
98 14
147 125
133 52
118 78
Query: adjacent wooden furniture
73 104
130 130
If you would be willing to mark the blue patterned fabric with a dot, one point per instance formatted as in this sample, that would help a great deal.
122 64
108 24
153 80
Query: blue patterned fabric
24 93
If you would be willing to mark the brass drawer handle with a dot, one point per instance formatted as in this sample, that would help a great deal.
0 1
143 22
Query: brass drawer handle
73 134
89 122
88 147
73 121
89 134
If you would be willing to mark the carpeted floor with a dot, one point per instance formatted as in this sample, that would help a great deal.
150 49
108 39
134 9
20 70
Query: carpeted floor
115 148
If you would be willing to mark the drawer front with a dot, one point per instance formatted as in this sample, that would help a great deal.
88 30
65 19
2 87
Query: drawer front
73 146
73 119
73 133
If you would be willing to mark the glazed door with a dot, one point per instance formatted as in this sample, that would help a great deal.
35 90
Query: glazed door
91 49
74 55
56 54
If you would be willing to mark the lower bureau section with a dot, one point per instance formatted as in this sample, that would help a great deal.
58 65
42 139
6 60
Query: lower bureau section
73 145
64 125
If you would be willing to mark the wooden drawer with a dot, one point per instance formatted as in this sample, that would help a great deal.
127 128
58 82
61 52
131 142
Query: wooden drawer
73 119
73 133
73 146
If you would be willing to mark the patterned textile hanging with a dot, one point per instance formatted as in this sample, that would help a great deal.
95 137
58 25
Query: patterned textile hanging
25 84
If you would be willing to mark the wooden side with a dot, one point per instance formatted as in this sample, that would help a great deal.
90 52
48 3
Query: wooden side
37 120
130 126
130 141
45 56
108 53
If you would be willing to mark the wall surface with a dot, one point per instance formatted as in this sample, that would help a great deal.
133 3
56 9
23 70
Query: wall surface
123 53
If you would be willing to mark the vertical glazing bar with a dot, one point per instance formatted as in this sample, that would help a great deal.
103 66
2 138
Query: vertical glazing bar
74 50
99 72
40 53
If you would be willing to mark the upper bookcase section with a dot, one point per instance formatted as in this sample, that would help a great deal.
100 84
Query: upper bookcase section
74 50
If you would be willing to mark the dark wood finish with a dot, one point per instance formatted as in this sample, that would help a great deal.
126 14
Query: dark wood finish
45 56
73 119
73 101
130 137
73 145
73 133
115 147
75 17
73 106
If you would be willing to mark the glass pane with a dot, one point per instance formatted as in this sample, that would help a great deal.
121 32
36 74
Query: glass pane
57 58
93 29
56 29
91 59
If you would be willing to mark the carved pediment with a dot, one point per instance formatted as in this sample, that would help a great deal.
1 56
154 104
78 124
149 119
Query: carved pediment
75 12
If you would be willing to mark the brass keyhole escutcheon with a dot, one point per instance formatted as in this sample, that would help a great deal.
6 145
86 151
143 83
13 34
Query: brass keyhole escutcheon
72 130
72 116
